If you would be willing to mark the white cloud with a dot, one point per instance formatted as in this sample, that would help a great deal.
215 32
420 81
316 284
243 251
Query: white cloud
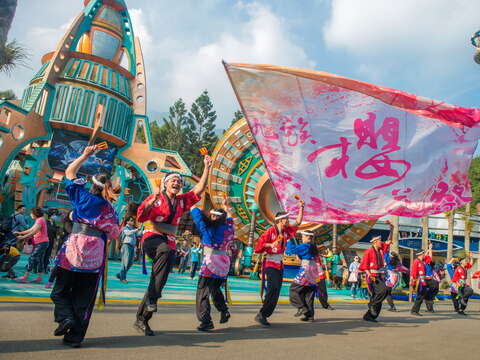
426 26
263 38
421 46
141 31
183 57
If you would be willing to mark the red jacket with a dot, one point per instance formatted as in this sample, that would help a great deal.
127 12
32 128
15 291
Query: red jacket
160 212
418 267
270 236
369 260
459 274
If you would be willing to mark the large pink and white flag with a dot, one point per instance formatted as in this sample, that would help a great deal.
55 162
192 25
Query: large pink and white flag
356 151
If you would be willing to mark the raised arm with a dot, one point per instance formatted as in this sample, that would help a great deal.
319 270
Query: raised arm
301 205
390 235
29 232
227 207
200 187
197 218
72 169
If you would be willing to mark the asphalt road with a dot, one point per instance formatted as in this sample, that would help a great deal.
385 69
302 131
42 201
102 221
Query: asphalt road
26 333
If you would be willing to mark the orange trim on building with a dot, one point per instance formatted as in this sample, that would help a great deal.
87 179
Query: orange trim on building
87 131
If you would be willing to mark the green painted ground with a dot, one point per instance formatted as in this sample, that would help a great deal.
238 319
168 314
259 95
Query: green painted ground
179 287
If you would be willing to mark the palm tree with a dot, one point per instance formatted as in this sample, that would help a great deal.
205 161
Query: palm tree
450 215
7 12
468 226
425 231
12 53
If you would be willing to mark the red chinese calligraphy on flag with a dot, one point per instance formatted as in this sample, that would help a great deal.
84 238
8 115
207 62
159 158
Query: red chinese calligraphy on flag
353 150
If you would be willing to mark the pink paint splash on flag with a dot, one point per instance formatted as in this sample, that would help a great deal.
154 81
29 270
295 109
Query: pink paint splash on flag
356 151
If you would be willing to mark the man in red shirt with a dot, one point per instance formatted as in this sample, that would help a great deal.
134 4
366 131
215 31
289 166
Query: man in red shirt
272 243
373 264
418 278
459 280
161 213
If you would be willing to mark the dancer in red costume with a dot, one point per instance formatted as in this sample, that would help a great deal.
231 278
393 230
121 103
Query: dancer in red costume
273 242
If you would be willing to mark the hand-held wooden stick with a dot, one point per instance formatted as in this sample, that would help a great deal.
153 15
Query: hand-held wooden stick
296 197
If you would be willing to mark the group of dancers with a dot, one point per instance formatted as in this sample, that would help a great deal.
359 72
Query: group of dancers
80 262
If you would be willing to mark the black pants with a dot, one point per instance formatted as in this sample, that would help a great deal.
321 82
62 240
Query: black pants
460 300
389 297
432 291
163 259
274 285
379 293
322 293
193 269
302 297
427 293
206 287
421 294
46 257
7 265
455 302
74 298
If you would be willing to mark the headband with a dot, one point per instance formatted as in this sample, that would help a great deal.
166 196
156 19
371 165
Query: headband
375 238
216 212
280 217
308 233
97 182
171 176
421 252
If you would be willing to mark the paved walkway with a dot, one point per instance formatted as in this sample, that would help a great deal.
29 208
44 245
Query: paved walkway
26 333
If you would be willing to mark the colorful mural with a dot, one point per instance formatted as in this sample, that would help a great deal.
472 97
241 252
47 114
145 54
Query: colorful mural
91 88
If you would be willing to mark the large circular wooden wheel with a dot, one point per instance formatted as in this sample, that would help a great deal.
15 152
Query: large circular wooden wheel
239 173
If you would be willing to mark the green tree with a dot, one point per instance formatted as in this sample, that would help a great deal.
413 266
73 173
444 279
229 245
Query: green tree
236 116
474 175
7 94
12 53
172 134
200 131
7 12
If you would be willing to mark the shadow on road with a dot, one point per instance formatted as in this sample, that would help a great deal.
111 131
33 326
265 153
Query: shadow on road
213 339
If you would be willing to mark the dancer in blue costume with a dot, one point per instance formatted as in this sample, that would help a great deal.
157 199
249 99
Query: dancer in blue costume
302 289
217 233
81 260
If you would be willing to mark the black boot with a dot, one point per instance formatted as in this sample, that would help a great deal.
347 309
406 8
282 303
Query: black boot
63 327
224 317
414 313
262 320
429 305
370 318
143 328
307 318
72 344
393 308
205 326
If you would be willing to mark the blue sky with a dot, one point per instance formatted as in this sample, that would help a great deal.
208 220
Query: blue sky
421 47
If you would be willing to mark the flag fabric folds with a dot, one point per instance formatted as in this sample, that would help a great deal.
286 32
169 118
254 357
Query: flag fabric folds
356 151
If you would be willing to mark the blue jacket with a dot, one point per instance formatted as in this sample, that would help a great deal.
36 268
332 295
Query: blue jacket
301 250
211 236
